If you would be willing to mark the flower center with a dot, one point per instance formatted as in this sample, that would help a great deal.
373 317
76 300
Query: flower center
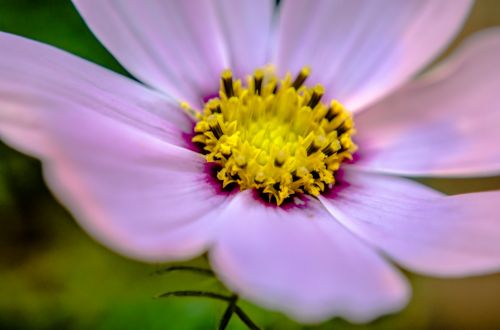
274 136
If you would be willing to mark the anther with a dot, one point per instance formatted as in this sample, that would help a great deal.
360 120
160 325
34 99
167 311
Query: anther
227 81
216 109
316 144
330 114
280 158
333 110
316 96
190 111
259 177
301 77
331 148
302 172
328 151
226 150
342 128
258 77
240 161
215 126
275 89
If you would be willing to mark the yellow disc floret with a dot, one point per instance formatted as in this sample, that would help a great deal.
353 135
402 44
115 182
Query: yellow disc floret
274 136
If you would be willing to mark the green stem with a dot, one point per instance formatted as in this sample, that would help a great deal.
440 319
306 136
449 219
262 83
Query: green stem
231 307
190 293
245 319
193 269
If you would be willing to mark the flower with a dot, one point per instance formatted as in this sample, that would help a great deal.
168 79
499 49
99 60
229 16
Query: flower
119 154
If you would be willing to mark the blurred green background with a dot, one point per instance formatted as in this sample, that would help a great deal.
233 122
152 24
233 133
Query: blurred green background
53 276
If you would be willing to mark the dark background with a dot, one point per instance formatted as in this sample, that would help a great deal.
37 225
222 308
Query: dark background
53 276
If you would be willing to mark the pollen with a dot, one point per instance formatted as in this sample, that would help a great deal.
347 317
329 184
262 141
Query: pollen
275 136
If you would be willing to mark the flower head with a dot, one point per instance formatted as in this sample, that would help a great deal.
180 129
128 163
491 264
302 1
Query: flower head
261 176
278 139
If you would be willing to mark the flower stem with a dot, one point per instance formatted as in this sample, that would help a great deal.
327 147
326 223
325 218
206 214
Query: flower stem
193 269
190 293
245 319
231 307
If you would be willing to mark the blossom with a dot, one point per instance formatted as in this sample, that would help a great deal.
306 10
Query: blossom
120 155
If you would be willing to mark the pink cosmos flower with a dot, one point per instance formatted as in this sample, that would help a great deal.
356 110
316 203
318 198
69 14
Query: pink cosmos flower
118 153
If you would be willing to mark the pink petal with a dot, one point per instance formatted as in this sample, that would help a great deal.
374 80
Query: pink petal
420 229
105 144
302 262
181 47
445 124
361 50
141 196
247 30
35 77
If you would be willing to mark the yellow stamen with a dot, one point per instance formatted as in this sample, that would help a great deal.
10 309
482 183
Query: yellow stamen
190 111
279 139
